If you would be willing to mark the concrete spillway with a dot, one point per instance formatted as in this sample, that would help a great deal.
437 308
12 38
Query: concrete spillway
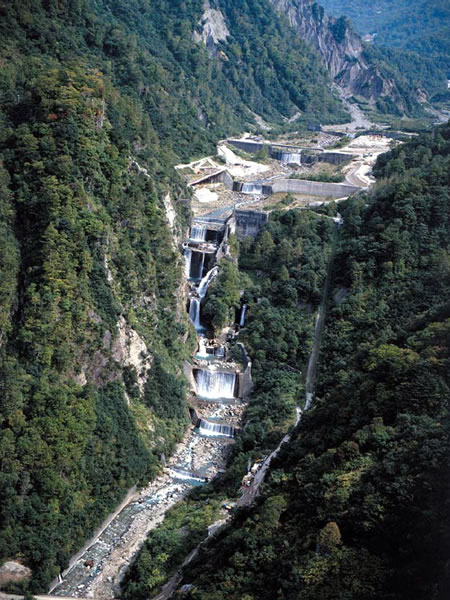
215 429
291 158
196 265
187 259
194 314
252 188
198 232
215 385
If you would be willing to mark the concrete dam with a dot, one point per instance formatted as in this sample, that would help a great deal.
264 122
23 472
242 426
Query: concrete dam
292 154
315 188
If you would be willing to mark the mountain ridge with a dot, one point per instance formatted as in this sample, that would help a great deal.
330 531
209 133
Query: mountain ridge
343 52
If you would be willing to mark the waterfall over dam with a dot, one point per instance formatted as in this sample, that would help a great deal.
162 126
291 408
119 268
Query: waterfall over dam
242 318
187 257
198 232
252 188
196 265
205 282
213 429
291 158
194 313
215 384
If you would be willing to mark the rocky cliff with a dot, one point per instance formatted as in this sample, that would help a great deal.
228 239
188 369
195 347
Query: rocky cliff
213 29
341 49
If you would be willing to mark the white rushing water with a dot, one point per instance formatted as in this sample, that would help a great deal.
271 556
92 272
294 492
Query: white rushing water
196 460
215 429
291 158
194 313
187 258
252 188
205 282
214 384
198 232
242 319
202 348
179 474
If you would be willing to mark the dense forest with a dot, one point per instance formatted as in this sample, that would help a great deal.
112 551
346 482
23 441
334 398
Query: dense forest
358 504
97 103
401 23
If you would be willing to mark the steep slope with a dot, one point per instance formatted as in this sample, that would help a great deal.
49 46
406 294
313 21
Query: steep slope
98 101
357 505
343 52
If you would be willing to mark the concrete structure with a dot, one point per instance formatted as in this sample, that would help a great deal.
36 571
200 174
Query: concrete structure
251 146
308 155
248 223
219 176
313 188
335 158
188 373
245 378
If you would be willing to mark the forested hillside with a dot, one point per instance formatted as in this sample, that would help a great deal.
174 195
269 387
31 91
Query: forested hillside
98 100
357 505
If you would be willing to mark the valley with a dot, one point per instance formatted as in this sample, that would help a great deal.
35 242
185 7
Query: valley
220 387
224 272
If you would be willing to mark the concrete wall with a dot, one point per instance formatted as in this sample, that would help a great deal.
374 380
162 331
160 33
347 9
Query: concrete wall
248 223
335 158
195 419
314 188
248 145
245 382
227 180
188 373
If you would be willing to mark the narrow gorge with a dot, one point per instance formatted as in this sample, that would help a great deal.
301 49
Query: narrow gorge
219 389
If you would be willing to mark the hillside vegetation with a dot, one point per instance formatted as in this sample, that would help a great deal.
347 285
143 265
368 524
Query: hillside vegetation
282 272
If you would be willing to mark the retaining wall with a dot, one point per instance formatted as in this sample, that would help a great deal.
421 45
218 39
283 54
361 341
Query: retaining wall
314 188
335 158
248 223
248 145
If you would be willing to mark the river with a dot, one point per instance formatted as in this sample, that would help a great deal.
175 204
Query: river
198 458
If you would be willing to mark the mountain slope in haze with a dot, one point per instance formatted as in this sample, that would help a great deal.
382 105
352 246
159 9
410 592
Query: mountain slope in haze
344 53
98 101
418 18
416 32
357 505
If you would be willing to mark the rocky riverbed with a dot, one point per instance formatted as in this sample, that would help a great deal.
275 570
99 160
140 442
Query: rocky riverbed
100 569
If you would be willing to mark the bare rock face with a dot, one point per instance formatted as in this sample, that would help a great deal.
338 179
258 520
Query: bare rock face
130 350
340 47
12 572
214 29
